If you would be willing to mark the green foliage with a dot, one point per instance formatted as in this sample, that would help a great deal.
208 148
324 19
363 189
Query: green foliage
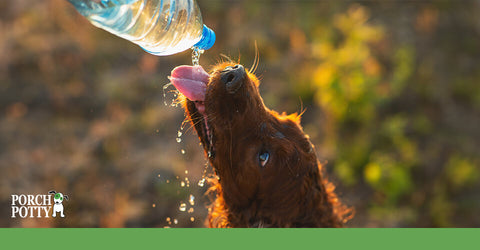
461 172
350 87
376 134
347 71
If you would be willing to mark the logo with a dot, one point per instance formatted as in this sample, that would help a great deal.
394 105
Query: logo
58 206
38 206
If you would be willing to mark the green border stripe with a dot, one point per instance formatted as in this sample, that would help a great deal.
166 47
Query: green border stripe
241 238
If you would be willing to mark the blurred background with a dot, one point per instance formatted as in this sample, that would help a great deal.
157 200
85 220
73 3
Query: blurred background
391 91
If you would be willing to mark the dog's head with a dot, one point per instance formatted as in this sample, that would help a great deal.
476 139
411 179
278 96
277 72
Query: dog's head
58 197
256 152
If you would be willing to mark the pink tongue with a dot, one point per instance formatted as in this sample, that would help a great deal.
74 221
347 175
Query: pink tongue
191 81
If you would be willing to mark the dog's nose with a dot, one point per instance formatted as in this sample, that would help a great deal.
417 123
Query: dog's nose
233 77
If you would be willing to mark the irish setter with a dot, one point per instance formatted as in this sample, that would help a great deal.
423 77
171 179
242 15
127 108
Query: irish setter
267 170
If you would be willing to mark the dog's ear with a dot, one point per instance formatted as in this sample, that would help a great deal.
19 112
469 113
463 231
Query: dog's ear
52 192
65 196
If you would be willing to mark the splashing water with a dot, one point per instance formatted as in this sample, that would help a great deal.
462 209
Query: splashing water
183 207
191 200
169 221
201 182
174 101
196 53
164 94
179 135
174 94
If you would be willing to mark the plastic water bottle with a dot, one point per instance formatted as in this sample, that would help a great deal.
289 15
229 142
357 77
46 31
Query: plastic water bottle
160 27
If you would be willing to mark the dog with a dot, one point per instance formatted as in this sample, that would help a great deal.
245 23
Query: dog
267 171
58 200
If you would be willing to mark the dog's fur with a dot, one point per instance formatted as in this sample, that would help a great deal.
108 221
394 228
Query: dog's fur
289 191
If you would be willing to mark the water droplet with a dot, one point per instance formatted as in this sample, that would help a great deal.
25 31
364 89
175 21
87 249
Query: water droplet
183 151
182 184
191 200
182 207
179 134
164 94
201 182
179 140
192 219
196 53
175 221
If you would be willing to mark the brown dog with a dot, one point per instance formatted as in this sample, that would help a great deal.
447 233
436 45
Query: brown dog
268 172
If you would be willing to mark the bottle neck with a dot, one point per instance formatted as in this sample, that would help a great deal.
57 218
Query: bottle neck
207 40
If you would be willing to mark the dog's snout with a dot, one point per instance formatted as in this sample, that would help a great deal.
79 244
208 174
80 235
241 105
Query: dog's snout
233 77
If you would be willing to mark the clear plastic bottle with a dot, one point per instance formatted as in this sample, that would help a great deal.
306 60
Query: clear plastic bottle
160 27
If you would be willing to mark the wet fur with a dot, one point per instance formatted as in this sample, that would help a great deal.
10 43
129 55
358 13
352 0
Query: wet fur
290 191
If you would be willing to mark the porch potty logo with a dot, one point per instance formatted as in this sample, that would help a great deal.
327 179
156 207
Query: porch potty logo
38 206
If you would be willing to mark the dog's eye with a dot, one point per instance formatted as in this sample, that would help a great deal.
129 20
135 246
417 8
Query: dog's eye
263 158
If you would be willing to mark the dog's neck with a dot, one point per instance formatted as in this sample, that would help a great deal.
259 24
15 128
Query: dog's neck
320 208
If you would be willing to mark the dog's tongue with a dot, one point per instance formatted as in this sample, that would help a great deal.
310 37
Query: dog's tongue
191 81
